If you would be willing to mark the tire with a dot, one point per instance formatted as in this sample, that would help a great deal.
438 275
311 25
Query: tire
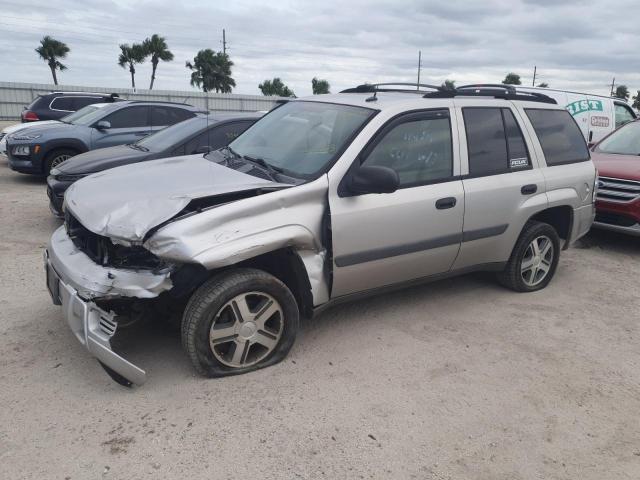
529 270
239 321
56 157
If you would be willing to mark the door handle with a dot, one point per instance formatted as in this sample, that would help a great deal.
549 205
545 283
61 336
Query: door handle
529 189
447 202
141 134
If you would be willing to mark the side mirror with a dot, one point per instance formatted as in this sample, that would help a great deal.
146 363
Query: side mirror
103 125
374 179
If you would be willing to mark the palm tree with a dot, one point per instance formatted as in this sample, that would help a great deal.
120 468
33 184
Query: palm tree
157 48
211 71
129 56
50 50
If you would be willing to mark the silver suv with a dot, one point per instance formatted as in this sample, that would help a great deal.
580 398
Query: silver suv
322 200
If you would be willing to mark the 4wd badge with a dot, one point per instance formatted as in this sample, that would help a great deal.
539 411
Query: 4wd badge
584 106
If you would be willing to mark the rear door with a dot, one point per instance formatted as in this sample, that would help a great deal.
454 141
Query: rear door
502 182
127 125
414 232
163 116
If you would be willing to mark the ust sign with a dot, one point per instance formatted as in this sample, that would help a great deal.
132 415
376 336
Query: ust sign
584 106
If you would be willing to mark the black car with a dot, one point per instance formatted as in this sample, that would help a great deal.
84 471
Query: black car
55 105
197 135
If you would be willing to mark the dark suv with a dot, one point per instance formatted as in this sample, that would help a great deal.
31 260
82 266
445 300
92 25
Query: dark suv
56 105
39 148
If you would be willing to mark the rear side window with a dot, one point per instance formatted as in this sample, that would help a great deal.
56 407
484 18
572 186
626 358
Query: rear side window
494 141
81 102
162 116
63 103
560 137
130 117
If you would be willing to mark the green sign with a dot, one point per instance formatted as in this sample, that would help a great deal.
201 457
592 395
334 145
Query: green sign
584 106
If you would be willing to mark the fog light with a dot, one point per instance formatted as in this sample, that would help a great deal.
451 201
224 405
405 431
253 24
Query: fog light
21 150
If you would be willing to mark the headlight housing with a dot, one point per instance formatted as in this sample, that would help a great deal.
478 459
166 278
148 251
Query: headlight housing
21 150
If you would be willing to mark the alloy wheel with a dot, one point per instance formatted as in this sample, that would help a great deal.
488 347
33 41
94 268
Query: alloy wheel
246 329
537 260
59 159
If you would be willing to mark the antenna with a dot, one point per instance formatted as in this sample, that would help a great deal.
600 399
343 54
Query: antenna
533 84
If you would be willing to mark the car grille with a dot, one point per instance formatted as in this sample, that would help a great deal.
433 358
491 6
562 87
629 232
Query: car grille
103 251
618 190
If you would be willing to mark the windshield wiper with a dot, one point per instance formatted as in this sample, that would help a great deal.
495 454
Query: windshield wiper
264 164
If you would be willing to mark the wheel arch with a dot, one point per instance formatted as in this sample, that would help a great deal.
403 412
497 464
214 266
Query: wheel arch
560 218
286 264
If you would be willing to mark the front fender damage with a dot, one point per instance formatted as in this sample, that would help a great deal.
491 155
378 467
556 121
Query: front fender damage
241 230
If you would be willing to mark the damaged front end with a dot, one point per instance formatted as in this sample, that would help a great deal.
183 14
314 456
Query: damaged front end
83 272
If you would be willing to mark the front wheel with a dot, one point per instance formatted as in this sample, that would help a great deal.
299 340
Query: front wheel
239 321
56 157
534 259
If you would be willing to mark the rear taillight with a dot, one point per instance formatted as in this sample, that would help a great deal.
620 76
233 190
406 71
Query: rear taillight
29 116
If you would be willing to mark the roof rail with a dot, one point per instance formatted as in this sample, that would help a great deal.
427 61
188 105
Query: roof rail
375 88
160 101
507 92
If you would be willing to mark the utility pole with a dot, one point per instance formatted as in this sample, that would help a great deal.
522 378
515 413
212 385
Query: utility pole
613 84
533 84
224 42
419 67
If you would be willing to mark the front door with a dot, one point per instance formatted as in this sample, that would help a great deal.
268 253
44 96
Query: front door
127 125
414 232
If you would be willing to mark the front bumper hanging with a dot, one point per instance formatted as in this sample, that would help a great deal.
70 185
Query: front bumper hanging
92 326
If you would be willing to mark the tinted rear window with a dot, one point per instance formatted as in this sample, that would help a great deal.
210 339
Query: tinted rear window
494 141
560 137
63 103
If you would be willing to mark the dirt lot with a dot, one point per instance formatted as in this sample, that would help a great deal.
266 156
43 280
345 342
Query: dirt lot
456 380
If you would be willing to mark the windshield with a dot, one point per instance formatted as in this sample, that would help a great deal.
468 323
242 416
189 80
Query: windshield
625 141
301 138
173 135
91 116
78 114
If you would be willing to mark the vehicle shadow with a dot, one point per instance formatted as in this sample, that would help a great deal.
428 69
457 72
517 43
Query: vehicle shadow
609 241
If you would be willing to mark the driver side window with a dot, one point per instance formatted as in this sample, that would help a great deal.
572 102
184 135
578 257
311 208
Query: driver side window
418 149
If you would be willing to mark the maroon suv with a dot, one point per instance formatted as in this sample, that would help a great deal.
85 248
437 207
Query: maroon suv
617 158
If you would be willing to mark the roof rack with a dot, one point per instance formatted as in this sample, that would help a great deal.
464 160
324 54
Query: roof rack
495 90
159 101
375 88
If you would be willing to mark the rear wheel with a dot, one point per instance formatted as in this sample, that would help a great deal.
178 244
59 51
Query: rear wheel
534 259
56 157
239 321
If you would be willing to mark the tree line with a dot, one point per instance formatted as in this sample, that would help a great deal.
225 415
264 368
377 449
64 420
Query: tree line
210 70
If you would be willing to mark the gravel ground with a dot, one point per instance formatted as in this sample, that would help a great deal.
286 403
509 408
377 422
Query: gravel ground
459 379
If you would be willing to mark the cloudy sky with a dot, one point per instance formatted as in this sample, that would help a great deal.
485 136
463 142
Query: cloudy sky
576 44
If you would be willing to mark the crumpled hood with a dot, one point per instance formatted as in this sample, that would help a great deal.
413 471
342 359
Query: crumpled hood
126 202
102 159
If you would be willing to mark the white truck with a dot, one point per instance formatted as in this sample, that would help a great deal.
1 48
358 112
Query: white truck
597 116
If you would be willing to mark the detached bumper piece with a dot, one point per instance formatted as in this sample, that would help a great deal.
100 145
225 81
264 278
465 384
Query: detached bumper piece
93 327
